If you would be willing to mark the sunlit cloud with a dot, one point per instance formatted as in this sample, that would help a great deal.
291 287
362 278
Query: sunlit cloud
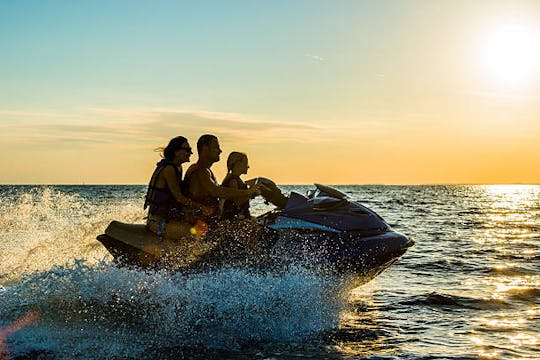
56 142
141 113
228 126
144 126
72 133
237 130
87 129
150 127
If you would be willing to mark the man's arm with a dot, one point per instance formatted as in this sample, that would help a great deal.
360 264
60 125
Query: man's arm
209 186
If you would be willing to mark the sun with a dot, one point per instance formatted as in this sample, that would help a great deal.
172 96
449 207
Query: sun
510 54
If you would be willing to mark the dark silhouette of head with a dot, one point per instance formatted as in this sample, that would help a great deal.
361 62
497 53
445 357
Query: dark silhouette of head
208 149
174 145
234 158
205 140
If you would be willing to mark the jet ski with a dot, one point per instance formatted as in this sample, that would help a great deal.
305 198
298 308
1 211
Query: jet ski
324 229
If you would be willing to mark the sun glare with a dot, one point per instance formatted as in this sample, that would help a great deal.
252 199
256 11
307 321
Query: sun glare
510 54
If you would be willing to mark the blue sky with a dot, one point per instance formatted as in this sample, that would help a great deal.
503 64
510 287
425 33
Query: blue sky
174 52
324 80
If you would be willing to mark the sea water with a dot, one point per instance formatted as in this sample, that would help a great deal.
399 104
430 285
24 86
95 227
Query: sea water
468 289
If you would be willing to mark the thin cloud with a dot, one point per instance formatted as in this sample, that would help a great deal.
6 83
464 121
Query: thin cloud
75 135
61 129
86 129
151 126
79 141
45 141
154 112
315 57
165 122
17 113
23 113
236 130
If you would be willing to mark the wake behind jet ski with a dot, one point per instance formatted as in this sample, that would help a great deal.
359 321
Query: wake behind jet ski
324 230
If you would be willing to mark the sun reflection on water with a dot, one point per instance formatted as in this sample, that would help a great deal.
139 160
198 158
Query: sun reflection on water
513 330
503 200
502 323
515 192
509 217
492 332
524 339
507 232
363 314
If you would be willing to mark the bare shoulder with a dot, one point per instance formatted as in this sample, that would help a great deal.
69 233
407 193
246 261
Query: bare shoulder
201 172
203 176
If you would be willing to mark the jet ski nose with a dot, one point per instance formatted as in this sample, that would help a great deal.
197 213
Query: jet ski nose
402 242
409 242
398 244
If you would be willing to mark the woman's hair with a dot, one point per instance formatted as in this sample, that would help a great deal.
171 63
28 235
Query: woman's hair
234 158
175 144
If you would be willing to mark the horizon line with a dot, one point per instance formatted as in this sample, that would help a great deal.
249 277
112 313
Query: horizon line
288 184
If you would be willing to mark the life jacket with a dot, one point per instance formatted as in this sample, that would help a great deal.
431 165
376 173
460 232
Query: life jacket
161 201
206 200
231 209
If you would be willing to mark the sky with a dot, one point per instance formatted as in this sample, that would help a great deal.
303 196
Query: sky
336 92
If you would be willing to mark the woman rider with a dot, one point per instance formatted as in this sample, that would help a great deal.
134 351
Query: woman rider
171 214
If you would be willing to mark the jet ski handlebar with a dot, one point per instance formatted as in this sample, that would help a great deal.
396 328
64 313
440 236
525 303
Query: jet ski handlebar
271 193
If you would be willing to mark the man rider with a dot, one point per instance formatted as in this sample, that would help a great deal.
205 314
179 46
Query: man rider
201 184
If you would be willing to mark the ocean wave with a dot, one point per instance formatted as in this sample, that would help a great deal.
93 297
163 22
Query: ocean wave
518 257
524 294
121 311
511 270
435 299
43 227
443 265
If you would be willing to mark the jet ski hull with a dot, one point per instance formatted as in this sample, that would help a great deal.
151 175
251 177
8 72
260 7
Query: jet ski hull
324 230
347 252
343 253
